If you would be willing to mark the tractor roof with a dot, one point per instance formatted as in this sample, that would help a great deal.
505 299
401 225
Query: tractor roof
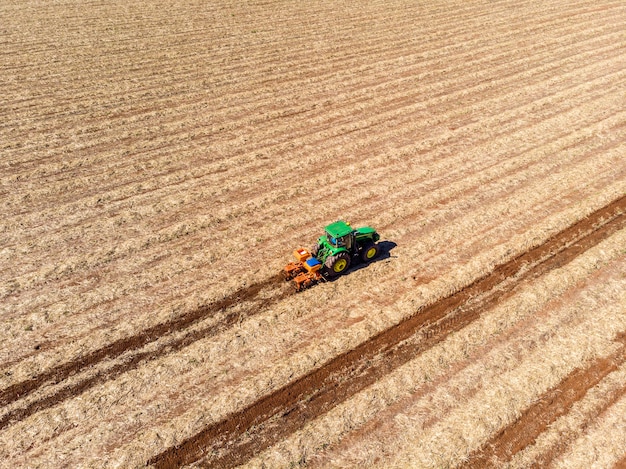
338 229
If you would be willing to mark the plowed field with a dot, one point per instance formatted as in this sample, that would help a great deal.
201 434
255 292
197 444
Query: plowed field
161 160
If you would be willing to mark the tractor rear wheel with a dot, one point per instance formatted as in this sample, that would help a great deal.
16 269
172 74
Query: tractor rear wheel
337 264
369 252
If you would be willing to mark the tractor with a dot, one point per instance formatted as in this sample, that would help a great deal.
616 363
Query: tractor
332 255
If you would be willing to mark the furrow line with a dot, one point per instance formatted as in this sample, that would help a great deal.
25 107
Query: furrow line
170 104
399 107
551 405
130 362
233 440
373 49
61 372
552 452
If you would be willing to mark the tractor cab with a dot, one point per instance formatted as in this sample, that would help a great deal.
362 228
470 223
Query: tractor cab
340 235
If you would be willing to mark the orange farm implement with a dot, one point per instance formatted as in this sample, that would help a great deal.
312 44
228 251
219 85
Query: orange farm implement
340 247
305 272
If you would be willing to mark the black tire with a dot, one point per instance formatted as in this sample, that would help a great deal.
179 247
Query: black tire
337 265
315 250
369 252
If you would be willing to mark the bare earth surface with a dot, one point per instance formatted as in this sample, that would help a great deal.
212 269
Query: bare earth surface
160 161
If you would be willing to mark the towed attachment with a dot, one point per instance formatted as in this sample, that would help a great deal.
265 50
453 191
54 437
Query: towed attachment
305 272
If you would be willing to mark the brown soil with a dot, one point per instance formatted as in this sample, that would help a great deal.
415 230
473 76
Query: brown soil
233 440
560 447
159 164
550 406
621 464
62 372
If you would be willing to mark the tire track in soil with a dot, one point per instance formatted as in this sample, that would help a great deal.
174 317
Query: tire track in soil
234 439
58 374
61 372
621 464
551 405
545 459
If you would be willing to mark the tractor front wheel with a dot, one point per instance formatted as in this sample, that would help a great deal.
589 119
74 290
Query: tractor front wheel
337 264
369 252
315 249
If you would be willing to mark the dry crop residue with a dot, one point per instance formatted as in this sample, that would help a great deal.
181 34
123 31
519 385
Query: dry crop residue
551 405
233 440
159 164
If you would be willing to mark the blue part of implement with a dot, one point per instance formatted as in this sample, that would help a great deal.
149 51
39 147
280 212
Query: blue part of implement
312 262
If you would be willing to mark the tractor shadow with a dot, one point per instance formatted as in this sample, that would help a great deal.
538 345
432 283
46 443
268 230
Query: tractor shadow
384 253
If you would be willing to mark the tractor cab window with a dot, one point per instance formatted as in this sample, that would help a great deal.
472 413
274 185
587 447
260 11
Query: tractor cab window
346 241
343 241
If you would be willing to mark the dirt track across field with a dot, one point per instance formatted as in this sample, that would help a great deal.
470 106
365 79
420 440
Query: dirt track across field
133 344
232 441
551 405
160 164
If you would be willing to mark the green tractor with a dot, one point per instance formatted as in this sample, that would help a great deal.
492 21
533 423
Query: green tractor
342 246
332 255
